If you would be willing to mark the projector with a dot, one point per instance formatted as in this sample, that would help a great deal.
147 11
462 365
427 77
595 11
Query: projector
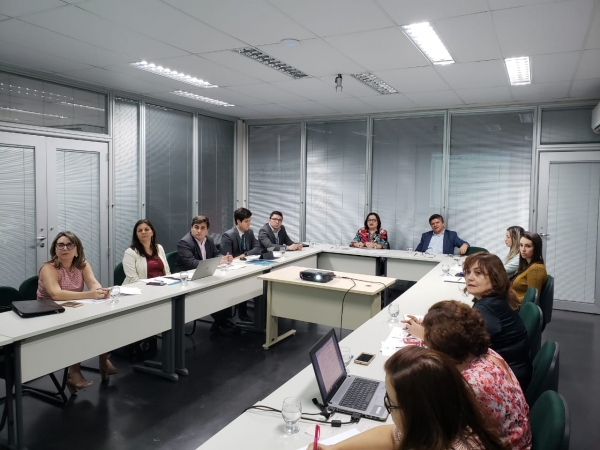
319 276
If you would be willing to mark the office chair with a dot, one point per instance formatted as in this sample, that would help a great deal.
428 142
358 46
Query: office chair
550 422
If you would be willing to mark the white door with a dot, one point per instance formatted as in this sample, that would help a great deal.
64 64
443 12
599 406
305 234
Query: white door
48 185
568 214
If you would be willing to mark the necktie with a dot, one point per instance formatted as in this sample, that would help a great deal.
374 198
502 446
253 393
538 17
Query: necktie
277 239
244 243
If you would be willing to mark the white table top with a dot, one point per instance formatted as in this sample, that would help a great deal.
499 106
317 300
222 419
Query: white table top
378 253
5 340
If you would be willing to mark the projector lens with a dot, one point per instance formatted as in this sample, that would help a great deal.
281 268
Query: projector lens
318 277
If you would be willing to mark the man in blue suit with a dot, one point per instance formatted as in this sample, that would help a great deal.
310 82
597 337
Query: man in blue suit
440 240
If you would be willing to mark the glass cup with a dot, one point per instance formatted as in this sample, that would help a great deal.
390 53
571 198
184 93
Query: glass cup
393 311
282 249
291 412
184 277
409 249
446 269
115 292
346 355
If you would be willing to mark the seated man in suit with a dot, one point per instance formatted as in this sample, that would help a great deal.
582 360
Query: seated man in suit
240 242
196 246
274 234
440 240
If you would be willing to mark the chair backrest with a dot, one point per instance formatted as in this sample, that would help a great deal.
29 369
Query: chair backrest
173 261
119 275
28 288
472 250
547 300
545 372
550 423
531 315
530 296
8 295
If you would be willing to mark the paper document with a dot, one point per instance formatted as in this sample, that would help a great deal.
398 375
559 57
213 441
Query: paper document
397 339
337 438
454 279
232 267
93 301
130 290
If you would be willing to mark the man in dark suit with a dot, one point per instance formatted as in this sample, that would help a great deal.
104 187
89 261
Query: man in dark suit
195 247
274 234
440 240
241 242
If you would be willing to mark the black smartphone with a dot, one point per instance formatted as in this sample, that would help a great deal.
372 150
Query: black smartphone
156 283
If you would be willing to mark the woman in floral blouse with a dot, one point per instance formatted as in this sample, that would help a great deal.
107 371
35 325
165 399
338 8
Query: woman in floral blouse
372 235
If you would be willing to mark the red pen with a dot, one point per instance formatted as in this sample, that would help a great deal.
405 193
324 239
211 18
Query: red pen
317 434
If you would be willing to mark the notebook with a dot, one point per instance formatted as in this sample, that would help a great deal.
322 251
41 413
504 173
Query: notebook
206 268
36 308
345 393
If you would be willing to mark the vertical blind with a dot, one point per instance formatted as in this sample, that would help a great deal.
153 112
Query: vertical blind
490 167
216 173
407 175
169 168
274 171
335 180
18 212
126 173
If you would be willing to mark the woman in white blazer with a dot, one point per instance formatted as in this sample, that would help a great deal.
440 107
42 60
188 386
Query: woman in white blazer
145 258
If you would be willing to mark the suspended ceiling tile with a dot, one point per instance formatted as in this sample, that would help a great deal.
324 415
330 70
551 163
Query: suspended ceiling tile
417 79
499 94
458 33
16 8
506 4
18 55
389 102
240 63
384 49
255 22
351 86
554 67
272 110
22 33
267 92
539 29
474 74
540 92
327 18
589 66
310 88
593 40
349 105
114 80
82 25
437 99
309 108
585 89
314 57
405 12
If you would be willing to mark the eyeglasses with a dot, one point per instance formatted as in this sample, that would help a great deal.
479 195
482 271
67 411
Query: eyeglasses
276 220
388 405
69 246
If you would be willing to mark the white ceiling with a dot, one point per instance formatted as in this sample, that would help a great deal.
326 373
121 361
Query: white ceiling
94 41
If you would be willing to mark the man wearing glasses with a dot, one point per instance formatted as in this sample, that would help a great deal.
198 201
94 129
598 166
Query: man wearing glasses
273 234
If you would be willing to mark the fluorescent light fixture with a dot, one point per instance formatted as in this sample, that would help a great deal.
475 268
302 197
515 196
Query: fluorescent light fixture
425 37
273 63
33 112
376 83
173 74
518 70
95 108
200 98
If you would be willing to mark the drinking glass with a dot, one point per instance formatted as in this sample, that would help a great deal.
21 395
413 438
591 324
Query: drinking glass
446 269
346 355
409 249
184 277
456 259
282 249
393 311
115 292
291 412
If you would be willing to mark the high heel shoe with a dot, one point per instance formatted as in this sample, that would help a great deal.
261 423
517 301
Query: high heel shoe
106 370
77 386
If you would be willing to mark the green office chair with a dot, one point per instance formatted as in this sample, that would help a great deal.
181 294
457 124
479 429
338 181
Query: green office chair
28 288
530 296
173 261
550 423
8 295
119 275
472 250
546 300
545 372
531 315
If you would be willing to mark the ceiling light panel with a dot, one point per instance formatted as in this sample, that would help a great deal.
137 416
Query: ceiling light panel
271 62
425 37
376 83
201 98
173 74
518 70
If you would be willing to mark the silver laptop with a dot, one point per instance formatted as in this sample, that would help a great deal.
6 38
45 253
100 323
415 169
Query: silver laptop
345 393
206 268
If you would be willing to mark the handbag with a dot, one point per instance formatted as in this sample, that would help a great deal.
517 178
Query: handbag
35 308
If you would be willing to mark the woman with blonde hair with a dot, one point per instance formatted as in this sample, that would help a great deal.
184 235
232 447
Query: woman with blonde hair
512 239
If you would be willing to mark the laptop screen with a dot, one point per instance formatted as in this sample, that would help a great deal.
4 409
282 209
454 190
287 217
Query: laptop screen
328 365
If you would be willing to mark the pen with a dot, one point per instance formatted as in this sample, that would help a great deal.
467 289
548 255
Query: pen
317 434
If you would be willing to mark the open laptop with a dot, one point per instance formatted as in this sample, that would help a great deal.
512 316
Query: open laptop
206 268
345 393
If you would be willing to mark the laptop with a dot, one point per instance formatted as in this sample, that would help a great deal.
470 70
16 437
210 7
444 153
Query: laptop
206 268
345 393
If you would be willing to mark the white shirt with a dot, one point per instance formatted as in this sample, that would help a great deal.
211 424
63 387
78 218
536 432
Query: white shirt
276 233
202 246
436 245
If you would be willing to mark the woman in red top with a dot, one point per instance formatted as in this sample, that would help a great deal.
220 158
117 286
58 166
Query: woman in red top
372 235
61 279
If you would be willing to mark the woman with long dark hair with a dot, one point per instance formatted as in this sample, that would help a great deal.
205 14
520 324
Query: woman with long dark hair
146 257
531 270
371 235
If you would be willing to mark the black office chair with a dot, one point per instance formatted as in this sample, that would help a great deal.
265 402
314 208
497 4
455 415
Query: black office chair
546 300
173 262
28 288
472 250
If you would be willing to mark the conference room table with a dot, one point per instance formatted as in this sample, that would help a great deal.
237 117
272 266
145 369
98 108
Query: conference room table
47 344
259 430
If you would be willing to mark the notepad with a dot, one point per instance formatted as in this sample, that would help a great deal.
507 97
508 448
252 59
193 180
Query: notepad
337 438
454 279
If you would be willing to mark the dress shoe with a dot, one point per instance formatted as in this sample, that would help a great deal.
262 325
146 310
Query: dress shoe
224 327
77 382
106 370
244 318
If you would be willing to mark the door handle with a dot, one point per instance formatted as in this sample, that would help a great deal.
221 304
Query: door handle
544 234
41 239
